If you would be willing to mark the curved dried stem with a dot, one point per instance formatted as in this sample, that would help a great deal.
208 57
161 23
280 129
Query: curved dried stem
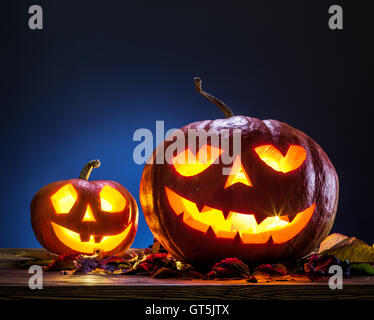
224 107
86 171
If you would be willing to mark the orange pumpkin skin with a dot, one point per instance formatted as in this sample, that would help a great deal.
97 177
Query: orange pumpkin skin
314 183
100 227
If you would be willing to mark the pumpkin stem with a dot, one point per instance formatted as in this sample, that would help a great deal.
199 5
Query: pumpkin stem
86 171
224 107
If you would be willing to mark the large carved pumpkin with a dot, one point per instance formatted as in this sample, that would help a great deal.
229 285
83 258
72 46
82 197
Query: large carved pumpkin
278 201
80 216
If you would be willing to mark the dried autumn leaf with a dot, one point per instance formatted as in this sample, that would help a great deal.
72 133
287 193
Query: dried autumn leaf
271 272
229 268
330 241
99 271
318 266
336 240
362 269
85 265
277 269
301 278
62 262
166 273
353 252
261 278
286 277
111 264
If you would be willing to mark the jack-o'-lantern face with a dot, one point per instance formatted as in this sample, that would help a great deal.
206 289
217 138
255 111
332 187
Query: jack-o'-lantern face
275 201
103 227
252 227
80 216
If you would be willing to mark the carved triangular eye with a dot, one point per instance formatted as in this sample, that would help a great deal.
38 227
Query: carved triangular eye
188 165
293 159
64 199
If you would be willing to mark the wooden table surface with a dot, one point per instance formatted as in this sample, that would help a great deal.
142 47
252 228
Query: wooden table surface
14 285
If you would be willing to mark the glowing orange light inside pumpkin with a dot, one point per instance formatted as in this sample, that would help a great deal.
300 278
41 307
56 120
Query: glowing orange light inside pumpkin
238 175
279 228
88 215
187 164
72 239
111 200
293 159
64 199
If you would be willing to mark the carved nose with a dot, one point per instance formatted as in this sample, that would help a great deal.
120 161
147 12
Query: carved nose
238 175
88 216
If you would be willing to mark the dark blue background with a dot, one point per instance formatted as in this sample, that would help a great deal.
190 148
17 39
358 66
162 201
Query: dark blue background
99 70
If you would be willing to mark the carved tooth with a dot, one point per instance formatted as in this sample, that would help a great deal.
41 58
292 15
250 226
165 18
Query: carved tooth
259 218
200 206
270 241
226 213
98 239
291 217
85 237
206 208
237 238
210 232
180 217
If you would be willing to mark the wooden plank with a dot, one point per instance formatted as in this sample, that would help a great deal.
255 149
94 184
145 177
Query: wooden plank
13 253
14 285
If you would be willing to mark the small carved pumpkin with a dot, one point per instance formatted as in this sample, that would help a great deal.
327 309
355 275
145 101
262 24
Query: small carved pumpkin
278 201
79 216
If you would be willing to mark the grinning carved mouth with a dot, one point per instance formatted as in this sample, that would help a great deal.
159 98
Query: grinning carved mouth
72 239
278 228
